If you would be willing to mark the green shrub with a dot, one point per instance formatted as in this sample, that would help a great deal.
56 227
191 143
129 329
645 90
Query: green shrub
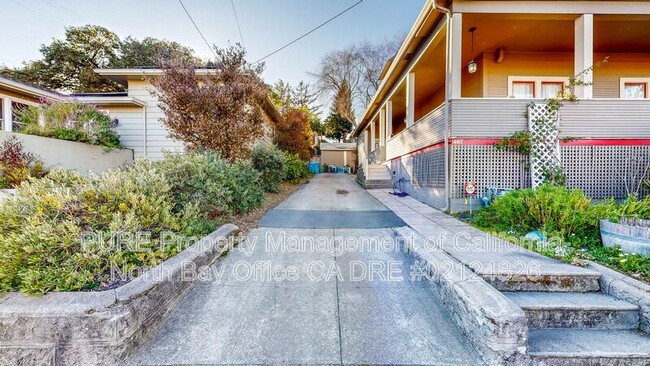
69 120
295 169
17 165
270 162
41 230
553 209
246 186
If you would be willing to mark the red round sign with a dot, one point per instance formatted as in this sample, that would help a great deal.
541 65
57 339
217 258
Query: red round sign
470 188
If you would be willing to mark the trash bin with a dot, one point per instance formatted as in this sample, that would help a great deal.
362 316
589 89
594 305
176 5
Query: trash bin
314 167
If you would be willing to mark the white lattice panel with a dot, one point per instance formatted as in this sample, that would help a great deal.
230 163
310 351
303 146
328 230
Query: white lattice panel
545 143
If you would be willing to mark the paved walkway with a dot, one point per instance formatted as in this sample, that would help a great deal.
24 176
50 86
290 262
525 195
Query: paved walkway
343 305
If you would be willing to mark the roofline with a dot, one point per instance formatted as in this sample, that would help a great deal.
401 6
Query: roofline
427 9
115 100
33 91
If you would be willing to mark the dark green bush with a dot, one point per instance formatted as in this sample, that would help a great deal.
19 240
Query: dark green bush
295 169
270 162
246 186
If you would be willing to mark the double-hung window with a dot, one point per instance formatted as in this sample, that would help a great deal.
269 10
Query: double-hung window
531 87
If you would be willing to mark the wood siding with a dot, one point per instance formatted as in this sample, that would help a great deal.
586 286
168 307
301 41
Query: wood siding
130 127
158 139
477 118
425 132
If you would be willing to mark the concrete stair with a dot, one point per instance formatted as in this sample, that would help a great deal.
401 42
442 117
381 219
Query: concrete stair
378 177
576 310
588 347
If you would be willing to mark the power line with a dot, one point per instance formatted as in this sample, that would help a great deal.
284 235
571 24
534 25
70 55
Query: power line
308 33
237 19
197 28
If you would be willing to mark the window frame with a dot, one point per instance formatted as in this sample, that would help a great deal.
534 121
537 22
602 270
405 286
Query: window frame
554 83
512 86
537 80
634 81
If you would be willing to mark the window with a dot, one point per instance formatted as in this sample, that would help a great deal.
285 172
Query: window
523 89
16 108
551 89
530 87
635 90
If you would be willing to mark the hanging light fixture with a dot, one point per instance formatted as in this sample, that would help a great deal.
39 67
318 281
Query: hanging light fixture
472 66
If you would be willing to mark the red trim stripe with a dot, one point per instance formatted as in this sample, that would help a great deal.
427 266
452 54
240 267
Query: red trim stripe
492 141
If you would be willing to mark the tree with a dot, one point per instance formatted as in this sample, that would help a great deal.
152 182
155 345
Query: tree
358 67
153 52
304 96
68 64
293 133
337 127
219 111
342 103
282 95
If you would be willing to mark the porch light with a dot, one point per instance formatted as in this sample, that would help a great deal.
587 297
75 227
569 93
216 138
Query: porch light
472 66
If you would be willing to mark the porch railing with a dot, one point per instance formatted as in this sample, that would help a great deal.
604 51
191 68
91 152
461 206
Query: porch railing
427 131
377 156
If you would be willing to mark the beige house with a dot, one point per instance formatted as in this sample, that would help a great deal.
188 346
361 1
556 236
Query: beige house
464 79
338 154
136 110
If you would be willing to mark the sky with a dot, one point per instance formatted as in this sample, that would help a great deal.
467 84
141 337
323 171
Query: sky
266 25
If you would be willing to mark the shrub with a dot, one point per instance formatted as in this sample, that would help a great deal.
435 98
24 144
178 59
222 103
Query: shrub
551 208
41 230
270 162
17 165
295 170
246 186
69 120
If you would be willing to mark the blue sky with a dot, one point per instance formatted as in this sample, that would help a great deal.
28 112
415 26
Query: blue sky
266 25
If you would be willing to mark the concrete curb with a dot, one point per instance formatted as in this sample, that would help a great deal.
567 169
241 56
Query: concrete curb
625 288
100 328
494 324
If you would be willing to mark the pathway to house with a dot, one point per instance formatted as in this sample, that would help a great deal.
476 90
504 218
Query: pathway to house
313 286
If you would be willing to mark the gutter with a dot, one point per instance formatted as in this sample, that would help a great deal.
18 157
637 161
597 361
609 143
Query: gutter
447 14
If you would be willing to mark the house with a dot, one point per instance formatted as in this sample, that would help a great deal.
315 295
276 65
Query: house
338 154
466 75
136 110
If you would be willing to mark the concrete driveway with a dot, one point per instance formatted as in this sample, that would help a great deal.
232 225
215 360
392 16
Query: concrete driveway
313 286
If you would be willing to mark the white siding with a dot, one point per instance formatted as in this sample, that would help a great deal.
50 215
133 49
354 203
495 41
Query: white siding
427 131
129 127
158 139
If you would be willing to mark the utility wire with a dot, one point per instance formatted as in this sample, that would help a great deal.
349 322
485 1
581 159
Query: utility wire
308 33
197 28
237 19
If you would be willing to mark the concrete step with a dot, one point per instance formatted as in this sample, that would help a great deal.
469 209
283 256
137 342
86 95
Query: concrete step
588 347
547 282
576 310
378 183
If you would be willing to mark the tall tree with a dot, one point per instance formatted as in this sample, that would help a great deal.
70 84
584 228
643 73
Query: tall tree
219 111
153 52
293 133
282 95
337 127
342 103
305 96
68 64
358 67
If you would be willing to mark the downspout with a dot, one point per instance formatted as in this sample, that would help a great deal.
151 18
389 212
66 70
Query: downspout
447 14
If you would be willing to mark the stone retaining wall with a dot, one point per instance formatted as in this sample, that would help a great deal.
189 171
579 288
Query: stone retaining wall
100 328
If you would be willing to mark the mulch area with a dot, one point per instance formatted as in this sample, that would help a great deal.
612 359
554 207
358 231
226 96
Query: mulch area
251 219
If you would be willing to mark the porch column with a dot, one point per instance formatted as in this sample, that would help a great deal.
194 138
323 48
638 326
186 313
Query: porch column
373 135
382 127
410 99
366 139
389 119
584 54
6 114
455 55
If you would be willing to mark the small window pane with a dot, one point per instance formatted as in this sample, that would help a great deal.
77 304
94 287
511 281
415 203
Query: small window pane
523 89
635 91
552 90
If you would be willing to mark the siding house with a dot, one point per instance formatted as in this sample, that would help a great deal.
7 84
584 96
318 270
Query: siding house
466 75
136 110
338 154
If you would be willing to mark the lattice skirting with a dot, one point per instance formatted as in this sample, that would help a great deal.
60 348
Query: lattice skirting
599 171
423 170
